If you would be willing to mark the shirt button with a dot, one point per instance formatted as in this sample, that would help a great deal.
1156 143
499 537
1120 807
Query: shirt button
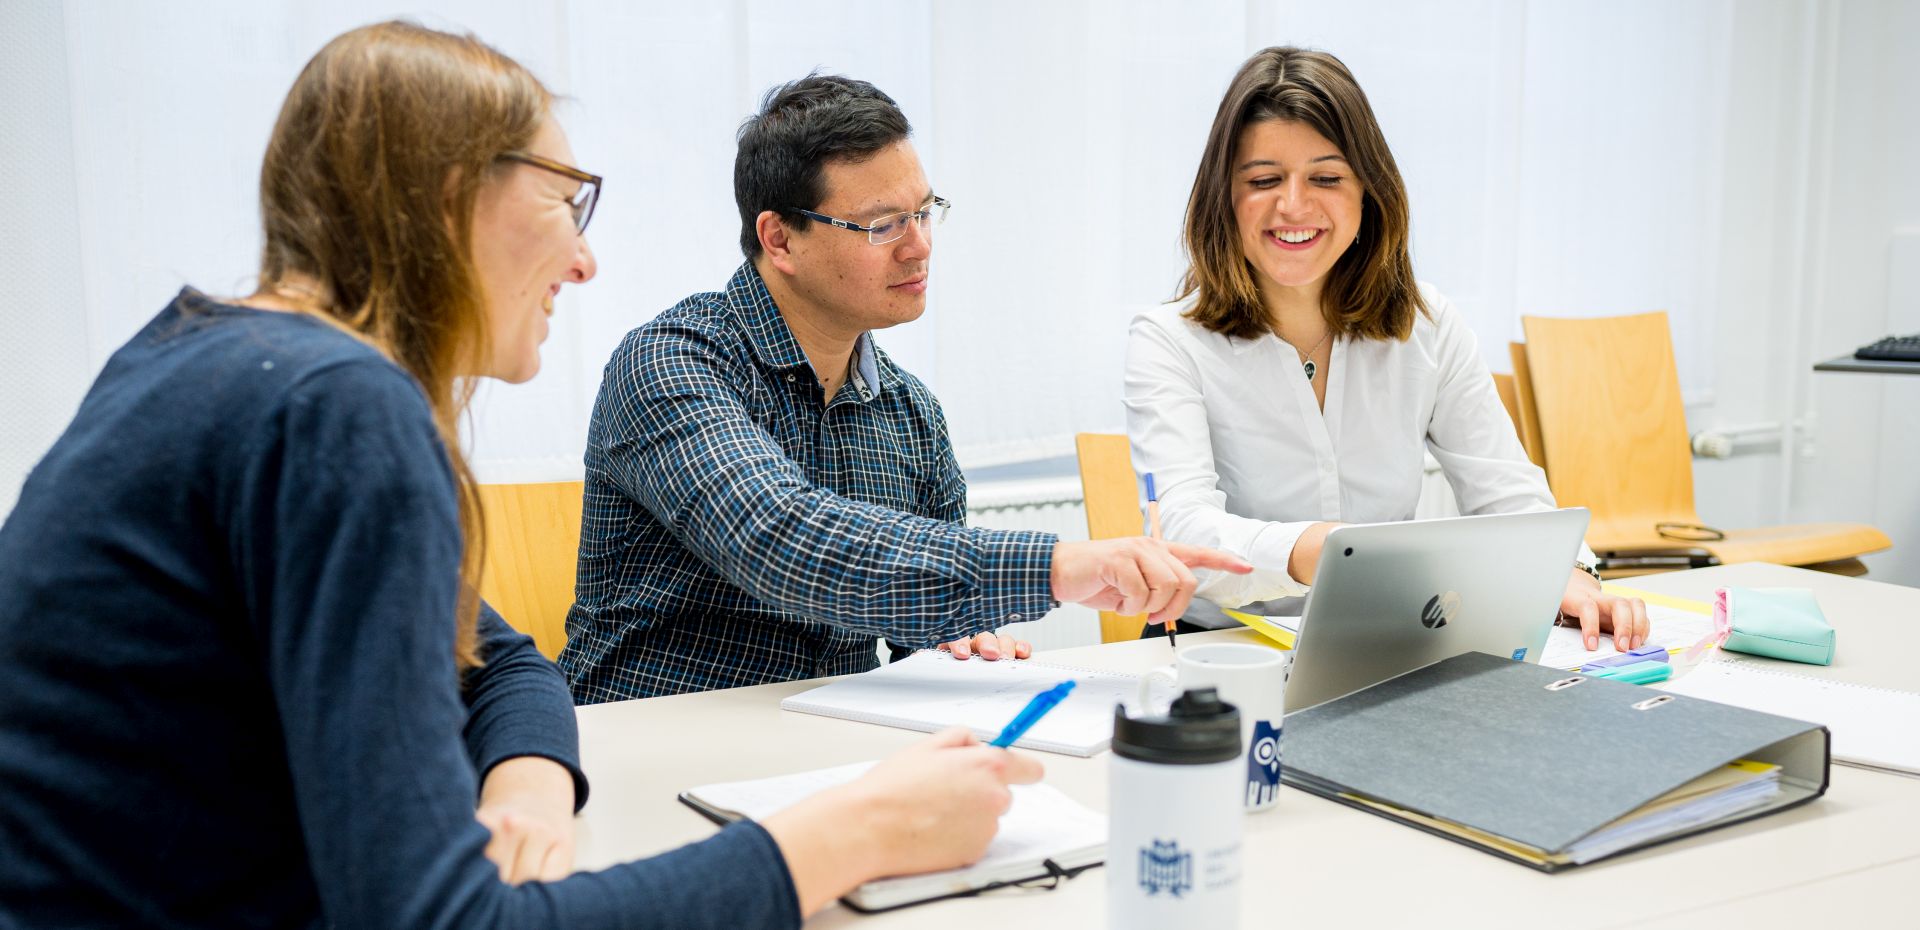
789 377
1014 617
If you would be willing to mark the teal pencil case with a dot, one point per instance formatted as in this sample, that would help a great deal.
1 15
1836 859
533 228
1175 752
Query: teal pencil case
1779 623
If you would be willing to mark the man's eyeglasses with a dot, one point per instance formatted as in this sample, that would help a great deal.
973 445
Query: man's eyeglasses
892 226
583 199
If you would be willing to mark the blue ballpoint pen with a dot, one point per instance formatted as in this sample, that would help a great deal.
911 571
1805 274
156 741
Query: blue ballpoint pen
1153 529
1031 714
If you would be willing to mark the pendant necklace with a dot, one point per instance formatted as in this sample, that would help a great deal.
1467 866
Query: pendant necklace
1307 359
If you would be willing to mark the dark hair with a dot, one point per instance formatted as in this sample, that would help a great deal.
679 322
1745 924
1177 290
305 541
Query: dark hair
800 127
1370 290
367 192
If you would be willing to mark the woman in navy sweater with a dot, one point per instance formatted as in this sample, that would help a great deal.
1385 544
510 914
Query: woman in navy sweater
244 678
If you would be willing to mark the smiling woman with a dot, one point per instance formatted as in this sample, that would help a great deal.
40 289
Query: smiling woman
1293 146
1298 389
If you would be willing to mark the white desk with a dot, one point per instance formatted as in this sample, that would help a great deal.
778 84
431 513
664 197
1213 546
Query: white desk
1854 853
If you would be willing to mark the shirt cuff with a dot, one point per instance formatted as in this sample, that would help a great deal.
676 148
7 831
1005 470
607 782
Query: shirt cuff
754 840
1015 576
571 765
1271 553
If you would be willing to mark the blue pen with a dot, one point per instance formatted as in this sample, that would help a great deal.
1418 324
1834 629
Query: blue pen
1153 530
1031 714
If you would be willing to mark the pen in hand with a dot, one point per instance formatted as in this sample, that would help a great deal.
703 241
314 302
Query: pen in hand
1153 529
1031 714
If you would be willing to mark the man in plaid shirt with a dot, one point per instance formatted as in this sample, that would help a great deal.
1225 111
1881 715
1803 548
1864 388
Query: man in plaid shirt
767 493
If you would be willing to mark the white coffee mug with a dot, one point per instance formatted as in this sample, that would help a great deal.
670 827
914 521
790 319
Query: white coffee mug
1252 678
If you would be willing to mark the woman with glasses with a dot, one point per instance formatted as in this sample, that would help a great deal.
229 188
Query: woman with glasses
1306 373
244 676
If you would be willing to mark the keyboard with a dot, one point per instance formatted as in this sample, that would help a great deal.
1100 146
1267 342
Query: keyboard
1891 349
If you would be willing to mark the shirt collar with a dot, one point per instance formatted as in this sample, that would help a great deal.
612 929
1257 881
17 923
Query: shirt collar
766 331
774 344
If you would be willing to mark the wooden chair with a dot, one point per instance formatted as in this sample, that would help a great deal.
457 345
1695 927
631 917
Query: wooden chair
1112 495
533 540
1607 395
1503 385
1525 415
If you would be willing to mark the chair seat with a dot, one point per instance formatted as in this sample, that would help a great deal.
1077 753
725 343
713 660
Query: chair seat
1796 544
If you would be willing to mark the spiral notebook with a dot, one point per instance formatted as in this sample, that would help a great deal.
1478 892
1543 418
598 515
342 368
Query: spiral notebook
930 691
1873 728
1044 838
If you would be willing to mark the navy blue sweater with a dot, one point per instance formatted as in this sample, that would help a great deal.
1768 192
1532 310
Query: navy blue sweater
227 687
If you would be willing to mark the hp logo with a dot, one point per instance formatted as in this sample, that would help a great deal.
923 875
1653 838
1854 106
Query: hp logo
1440 609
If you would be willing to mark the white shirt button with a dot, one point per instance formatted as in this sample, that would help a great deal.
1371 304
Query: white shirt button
1014 617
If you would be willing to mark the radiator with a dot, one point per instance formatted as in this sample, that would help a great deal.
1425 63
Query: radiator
1054 505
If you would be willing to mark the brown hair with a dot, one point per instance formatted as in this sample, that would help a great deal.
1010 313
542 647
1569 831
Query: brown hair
367 194
1370 291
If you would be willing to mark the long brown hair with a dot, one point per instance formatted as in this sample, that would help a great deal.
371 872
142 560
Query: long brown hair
1370 291
367 194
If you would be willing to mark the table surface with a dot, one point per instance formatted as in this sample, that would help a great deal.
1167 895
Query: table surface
1854 853
1867 366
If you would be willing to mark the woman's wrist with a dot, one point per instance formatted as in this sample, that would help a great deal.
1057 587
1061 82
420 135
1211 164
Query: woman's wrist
831 842
530 781
1304 562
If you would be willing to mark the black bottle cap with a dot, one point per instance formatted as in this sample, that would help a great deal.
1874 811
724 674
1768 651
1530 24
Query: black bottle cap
1198 729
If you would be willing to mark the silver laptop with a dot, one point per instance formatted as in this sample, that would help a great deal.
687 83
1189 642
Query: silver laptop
1389 598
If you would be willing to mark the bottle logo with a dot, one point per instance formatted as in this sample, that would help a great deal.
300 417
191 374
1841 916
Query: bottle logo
1440 609
1263 764
1164 867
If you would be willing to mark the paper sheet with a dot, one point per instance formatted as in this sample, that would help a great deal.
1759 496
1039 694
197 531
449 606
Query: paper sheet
930 690
1667 627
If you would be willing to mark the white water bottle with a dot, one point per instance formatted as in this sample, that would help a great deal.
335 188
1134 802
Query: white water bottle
1175 808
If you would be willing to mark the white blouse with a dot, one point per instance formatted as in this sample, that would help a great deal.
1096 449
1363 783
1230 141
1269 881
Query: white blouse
1244 460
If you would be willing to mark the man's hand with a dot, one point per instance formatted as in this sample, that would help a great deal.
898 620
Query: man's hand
1600 612
527 801
1135 574
989 646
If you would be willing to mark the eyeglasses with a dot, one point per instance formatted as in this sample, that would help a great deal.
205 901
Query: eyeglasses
892 226
583 199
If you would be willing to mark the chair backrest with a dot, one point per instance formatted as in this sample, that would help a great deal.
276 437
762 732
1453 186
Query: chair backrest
532 544
1607 393
1112 495
1525 415
1503 385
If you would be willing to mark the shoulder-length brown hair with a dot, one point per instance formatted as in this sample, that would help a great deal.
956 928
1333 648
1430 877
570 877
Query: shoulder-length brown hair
367 194
1370 291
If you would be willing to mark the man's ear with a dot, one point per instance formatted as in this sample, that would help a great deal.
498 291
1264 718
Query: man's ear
776 241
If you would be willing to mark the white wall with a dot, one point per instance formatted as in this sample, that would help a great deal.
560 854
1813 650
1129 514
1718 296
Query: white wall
1744 166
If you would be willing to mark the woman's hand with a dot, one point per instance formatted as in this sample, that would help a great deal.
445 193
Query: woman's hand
527 802
1600 612
989 646
934 805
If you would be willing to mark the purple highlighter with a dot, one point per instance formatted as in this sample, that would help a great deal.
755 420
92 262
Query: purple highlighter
1642 654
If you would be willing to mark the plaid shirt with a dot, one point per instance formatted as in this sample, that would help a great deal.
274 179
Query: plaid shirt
739 529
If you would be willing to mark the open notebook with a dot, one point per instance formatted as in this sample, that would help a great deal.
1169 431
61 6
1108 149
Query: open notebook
1875 728
930 691
1044 835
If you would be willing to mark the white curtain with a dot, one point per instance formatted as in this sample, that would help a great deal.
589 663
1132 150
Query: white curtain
1562 158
